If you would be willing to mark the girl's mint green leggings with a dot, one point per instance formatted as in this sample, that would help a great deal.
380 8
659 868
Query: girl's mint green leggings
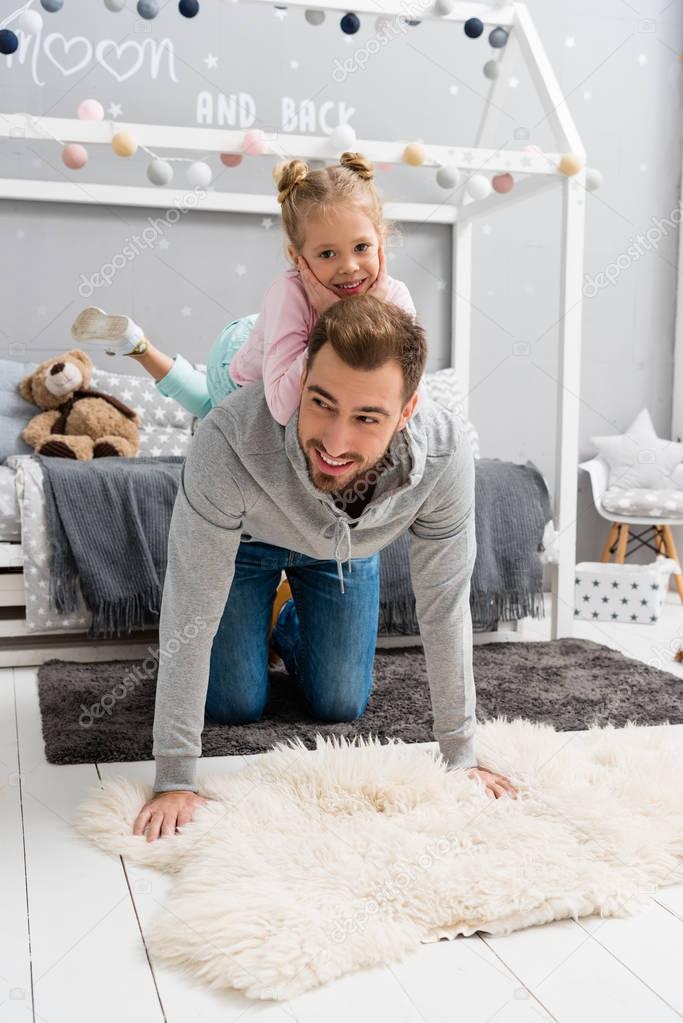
218 380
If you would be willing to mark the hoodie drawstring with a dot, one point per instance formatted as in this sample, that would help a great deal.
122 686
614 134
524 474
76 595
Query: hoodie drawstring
341 533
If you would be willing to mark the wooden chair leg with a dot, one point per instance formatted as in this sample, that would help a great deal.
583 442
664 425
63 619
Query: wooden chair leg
614 529
670 548
623 541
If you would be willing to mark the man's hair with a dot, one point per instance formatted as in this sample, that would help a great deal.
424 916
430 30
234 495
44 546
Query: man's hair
366 332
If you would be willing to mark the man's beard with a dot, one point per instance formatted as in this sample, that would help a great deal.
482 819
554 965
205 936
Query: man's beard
339 484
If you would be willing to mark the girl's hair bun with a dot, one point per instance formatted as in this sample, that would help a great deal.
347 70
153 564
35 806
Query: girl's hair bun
287 175
359 164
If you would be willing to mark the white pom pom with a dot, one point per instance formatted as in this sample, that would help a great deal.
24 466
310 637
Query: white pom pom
342 138
478 187
199 174
29 22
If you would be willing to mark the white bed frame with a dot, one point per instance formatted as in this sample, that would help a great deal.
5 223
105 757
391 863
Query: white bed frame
540 172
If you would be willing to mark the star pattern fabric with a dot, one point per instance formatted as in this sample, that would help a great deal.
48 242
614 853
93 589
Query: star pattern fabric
610 592
165 425
659 504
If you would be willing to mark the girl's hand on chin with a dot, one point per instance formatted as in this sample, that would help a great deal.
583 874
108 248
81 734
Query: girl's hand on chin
380 287
320 297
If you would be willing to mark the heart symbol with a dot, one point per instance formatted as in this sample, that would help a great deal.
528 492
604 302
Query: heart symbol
67 44
106 44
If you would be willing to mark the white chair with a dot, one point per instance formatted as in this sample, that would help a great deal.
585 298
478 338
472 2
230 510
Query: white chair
620 525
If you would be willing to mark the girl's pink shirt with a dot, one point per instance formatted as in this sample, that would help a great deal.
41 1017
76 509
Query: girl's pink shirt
277 347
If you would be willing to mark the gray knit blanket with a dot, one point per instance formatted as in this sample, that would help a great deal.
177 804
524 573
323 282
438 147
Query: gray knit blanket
108 522
512 507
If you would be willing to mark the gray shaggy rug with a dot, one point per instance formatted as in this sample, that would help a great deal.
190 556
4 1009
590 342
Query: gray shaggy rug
103 712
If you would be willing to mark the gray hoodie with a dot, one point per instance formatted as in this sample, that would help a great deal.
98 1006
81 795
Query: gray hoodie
246 478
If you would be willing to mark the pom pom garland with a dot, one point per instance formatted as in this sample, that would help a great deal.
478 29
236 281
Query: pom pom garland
124 144
199 174
502 183
350 24
160 172
74 156
9 43
342 138
255 143
570 164
414 154
90 110
593 179
447 176
473 28
231 159
148 9
478 187
498 38
30 22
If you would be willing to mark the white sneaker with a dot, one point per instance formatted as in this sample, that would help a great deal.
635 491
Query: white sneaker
121 335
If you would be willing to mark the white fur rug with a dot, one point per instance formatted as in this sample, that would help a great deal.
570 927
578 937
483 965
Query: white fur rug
310 864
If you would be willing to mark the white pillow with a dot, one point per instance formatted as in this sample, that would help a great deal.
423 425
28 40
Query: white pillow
164 440
639 458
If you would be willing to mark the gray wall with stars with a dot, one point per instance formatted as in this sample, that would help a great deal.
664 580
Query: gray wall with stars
240 65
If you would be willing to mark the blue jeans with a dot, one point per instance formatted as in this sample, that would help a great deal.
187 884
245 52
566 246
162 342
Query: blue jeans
326 638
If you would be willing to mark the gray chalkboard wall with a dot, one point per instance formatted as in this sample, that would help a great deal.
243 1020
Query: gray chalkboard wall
240 65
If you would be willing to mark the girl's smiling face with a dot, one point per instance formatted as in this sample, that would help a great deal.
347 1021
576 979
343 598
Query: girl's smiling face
341 248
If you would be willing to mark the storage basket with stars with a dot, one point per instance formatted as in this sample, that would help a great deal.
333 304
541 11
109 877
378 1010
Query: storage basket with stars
613 592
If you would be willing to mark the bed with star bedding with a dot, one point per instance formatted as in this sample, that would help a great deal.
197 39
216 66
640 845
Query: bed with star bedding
165 429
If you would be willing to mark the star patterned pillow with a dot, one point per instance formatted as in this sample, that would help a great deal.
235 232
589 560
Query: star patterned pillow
639 458
164 423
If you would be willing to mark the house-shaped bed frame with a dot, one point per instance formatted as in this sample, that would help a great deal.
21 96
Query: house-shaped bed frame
534 171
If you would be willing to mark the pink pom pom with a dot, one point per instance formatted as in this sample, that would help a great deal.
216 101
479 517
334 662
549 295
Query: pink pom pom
231 159
74 156
503 183
386 167
90 110
255 142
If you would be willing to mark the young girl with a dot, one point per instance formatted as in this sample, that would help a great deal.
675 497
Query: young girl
333 219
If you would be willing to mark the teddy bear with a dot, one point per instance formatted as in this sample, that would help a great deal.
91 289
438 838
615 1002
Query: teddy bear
78 422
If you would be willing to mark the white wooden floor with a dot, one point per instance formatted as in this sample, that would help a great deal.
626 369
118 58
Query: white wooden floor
73 920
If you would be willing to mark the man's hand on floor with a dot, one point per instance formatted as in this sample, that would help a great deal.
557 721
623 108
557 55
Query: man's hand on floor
165 812
496 784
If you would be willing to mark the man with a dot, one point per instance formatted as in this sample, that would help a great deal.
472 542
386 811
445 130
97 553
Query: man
356 465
